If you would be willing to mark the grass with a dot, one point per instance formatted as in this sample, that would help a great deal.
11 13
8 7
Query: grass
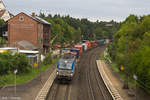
115 68
102 57
112 64
20 79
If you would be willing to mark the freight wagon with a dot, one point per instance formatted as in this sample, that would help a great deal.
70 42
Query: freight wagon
80 49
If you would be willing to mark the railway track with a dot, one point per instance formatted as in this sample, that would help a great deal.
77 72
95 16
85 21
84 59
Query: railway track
97 88
59 92
87 83
89 79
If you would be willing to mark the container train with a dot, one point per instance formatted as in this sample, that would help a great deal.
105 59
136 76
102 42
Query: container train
67 62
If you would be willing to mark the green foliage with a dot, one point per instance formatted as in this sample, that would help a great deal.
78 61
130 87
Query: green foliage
68 29
64 32
5 63
131 48
21 63
3 41
2 22
141 66
8 63
23 78
48 59
2 28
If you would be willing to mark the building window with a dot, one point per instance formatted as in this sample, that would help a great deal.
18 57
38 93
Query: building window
21 18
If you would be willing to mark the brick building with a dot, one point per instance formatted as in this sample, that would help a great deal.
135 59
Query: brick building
29 32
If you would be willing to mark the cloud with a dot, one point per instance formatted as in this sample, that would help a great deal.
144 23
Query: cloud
101 9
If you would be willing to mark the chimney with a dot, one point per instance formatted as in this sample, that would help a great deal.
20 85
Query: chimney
33 14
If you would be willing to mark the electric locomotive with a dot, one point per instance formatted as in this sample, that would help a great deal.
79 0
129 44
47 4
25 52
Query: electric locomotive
66 67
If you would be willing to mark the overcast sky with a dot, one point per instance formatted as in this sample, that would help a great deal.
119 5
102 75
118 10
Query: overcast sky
106 10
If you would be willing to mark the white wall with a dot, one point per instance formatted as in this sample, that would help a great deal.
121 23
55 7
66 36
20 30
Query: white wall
6 16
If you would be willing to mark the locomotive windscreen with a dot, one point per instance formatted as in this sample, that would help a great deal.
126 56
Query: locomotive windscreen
68 56
65 64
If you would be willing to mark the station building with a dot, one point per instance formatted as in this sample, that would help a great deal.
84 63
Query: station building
29 32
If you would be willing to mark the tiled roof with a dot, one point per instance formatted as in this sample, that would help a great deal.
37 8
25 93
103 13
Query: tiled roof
40 20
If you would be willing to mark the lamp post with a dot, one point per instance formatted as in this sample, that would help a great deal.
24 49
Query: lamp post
135 78
15 72
40 52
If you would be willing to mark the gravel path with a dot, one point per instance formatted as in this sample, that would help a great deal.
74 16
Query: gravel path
118 83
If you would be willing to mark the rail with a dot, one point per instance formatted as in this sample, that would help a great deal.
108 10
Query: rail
89 82
92 70
113 91
44 91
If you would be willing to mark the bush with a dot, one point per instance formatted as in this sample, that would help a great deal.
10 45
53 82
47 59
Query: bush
8 63
21 63
3 41
5 63
48 59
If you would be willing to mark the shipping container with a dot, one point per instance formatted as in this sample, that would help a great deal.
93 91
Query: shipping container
101 42
84 47
80 48
88 44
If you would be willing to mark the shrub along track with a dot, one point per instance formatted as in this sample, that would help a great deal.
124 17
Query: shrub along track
87 83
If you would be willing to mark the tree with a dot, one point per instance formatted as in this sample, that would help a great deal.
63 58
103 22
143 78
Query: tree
42 15
133 37
67 29
2 22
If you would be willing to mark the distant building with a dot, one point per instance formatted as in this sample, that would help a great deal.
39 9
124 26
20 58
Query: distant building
2 6
4 14
29 32
109 25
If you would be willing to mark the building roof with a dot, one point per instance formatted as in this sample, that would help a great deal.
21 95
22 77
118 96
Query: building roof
27 45
40 20
36 18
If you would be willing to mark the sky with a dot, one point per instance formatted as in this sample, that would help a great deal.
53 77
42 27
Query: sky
103 10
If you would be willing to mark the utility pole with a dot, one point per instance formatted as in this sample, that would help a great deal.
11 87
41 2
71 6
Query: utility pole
39 49
39 56
15 72
135 79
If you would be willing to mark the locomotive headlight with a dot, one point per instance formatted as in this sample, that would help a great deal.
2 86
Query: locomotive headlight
57 73
66 61
71 74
